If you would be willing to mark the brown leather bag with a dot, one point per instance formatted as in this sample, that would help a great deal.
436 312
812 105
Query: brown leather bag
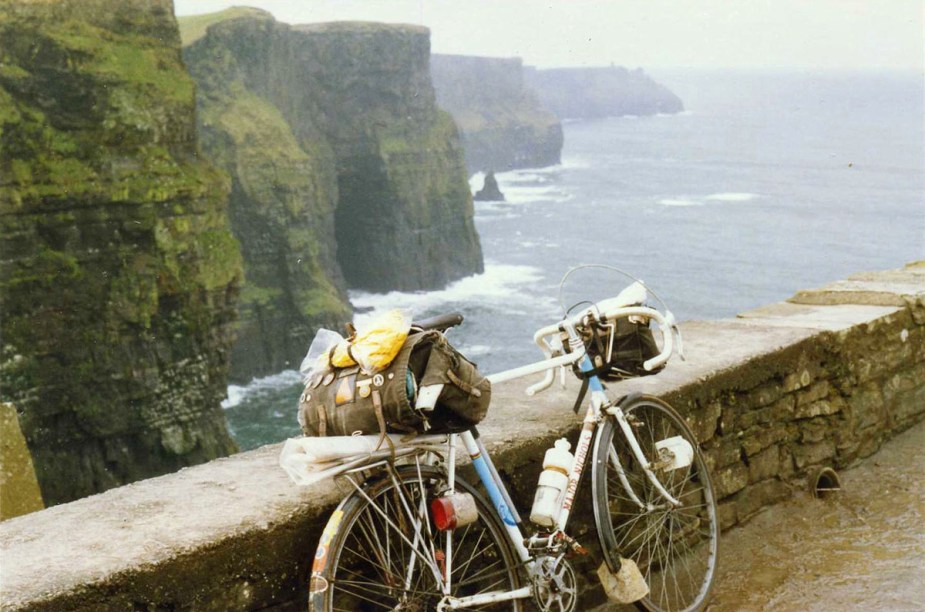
347 401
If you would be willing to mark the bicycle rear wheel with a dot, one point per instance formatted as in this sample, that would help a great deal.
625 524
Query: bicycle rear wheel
675 547
380 550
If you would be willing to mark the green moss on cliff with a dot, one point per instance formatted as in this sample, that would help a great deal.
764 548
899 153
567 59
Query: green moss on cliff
282 200
118 271
194 27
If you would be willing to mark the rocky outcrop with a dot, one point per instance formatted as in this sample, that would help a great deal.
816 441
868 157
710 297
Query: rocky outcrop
118 273
344 172
283 194
585 93
490 192
502 123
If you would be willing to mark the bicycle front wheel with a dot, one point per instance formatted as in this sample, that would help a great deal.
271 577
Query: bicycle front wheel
381 551
675 547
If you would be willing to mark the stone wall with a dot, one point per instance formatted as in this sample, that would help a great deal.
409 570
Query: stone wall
823 379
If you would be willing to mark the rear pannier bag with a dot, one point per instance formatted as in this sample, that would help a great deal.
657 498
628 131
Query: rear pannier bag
344 402
633 345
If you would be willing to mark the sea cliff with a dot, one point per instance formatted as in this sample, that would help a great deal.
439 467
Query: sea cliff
344 171
587 93
118 272
502 122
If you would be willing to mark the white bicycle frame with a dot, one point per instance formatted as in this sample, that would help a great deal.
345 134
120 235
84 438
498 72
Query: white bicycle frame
500 498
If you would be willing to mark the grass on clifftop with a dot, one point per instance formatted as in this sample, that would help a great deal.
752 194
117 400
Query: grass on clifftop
193 27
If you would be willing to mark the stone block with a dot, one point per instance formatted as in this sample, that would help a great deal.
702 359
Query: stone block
818 429
728 514
867 405
759 438
729 480
797 380
814 393
727 453
765 464
819 408
813 454
780 411
764 394
909 407
703 421
870 441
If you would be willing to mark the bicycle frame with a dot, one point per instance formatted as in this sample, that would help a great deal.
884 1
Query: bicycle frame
500 498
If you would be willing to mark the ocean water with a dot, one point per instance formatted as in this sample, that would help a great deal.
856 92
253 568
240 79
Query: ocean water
766 184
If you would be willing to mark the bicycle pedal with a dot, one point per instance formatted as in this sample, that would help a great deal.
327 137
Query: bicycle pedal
626 586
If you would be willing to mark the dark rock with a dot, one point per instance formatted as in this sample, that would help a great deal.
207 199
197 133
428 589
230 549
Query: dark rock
586 93
502 123
490 192
119 273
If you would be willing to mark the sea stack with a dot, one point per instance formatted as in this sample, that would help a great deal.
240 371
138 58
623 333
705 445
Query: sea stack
490 192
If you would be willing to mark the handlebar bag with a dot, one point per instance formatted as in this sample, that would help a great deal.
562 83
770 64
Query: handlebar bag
633 345
346 401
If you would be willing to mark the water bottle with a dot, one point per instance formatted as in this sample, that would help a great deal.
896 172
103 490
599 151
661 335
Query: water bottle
553 481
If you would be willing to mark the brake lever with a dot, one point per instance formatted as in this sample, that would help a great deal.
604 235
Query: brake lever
676 332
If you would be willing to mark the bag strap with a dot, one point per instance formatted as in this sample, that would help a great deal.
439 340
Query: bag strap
466 387
322 421
581 395
380 418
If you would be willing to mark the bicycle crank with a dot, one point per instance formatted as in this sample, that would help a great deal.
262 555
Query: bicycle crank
555 589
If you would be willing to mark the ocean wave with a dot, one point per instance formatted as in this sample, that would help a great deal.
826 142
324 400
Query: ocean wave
684 113
680 202
528 195
238 393
713 197
498 284
732 197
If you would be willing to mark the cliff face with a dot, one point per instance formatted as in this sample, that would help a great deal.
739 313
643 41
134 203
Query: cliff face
344 171
585 93
404 213
283 194
118 273
502 122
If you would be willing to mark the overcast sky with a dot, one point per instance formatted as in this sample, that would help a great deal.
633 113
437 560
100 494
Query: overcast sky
766 34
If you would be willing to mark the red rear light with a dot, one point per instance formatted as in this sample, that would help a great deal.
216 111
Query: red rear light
444 513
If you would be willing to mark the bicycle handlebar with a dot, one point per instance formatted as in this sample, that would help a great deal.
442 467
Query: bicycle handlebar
605 310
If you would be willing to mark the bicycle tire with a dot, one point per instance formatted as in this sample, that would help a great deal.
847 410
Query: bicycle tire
675 548
359 557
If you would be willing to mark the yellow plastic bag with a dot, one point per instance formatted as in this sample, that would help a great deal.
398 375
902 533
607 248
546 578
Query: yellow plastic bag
374 346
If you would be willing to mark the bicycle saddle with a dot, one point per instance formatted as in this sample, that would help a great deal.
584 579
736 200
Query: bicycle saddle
440 322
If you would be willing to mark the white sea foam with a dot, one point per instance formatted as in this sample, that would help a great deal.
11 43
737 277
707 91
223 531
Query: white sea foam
680 202
476 181
499 284
732 197
713 197
526 195
238 393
